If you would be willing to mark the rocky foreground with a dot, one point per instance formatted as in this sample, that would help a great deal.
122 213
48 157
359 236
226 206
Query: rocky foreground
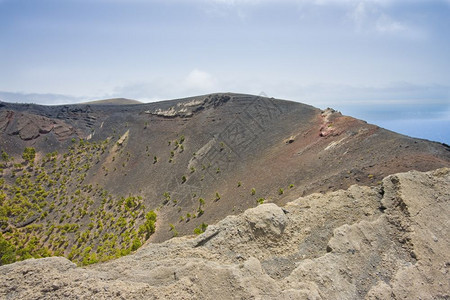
386 242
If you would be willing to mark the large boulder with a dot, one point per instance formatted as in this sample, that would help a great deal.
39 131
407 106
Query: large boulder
266 220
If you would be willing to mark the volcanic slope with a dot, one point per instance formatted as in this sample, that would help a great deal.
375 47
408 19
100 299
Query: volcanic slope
113 101
385 242
192 161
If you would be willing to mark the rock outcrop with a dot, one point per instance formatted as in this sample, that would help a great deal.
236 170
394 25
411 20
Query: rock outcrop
386 242
188 108
29 126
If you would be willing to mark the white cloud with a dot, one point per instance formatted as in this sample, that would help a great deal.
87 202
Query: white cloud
196 82
374 17
359 15
385 24
321 2
367 15
200 81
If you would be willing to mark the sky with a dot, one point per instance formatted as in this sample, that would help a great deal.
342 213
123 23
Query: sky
384 61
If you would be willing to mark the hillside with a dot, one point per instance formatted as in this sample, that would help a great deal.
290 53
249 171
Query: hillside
93 182
384 242
113 101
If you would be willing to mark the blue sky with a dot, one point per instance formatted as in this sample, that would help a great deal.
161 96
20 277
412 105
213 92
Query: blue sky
385 61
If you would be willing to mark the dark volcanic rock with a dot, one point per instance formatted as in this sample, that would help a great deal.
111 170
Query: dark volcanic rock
30 126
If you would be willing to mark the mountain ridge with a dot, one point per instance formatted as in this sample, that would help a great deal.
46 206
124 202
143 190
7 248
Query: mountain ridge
112 101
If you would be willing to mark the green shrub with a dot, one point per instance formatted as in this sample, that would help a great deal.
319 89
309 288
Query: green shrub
136 244
130 202
201 228
7 251
5 156
150 222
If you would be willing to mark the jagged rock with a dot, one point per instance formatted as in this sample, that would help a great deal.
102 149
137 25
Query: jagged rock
5 119
187 109
30 126
237 258
63 132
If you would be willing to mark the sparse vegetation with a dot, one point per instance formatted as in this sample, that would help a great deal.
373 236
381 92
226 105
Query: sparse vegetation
201 228
201 203
5 157
174 231
253 191
49 210
167 197
29 153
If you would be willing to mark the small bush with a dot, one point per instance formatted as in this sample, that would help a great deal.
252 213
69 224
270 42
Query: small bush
29 153
201 228
5 156
150 223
